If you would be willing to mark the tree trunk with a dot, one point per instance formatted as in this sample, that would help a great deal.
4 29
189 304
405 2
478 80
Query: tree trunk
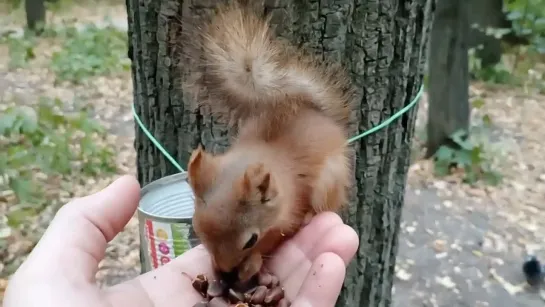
35 15
158 99
383 44
486 14
448 74
489 14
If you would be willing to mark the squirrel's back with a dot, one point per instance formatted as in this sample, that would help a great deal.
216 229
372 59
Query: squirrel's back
244 69
289 160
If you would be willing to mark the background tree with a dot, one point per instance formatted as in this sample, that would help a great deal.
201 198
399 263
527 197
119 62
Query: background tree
466 42
489 14
35 14
448 74
382 43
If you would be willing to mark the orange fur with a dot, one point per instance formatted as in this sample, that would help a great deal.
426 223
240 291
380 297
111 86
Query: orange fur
289 160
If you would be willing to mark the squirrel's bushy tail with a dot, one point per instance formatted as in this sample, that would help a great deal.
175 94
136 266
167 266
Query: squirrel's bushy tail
244 68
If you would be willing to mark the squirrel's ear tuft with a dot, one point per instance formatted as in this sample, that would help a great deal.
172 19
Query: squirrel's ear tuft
257 179
201 171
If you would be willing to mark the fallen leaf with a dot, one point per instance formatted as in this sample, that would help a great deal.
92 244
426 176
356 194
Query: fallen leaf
446 282
509 287
439 246
403 275
477 253
441 255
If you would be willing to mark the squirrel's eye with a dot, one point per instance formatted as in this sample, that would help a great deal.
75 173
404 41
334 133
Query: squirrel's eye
251 242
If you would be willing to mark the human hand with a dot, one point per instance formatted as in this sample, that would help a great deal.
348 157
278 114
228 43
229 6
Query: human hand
61 269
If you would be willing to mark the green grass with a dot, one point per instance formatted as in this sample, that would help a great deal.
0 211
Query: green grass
85 53
91 52
43 142
21 51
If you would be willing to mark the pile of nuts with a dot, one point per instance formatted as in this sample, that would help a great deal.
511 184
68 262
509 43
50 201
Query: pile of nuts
264 291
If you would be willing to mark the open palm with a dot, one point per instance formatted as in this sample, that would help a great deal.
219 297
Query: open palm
61 270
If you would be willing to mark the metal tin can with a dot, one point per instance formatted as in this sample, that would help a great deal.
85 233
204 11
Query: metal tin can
165 214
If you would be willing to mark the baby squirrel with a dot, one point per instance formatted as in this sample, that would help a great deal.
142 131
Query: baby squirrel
289 160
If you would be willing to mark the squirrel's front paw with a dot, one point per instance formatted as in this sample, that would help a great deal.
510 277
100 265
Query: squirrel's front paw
250 267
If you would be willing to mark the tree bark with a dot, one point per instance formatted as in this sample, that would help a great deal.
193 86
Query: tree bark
35 14
448 74
382 43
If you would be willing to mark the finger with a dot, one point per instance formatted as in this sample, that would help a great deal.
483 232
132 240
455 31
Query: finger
341 240
307 237
323 282
168 285
81 229
293 252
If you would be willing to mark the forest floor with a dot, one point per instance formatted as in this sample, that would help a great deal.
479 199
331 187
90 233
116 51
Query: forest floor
460 245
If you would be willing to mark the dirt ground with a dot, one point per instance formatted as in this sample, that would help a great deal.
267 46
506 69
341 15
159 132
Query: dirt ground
459 246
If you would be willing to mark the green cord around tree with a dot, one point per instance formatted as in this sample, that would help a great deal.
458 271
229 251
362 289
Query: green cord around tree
355 138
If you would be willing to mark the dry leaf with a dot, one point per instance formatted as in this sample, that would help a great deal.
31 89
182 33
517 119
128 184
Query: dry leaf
446 282
439 246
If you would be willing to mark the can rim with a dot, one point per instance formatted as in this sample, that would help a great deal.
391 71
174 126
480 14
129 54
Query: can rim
164 219
166 180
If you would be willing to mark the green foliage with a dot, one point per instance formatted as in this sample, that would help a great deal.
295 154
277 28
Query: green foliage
528 19
499 73
85 53
42 142
528 22
468 154
90 52
21 50
469 157
15 3
56 5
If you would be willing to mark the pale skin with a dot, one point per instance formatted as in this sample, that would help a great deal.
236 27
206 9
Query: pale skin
61 270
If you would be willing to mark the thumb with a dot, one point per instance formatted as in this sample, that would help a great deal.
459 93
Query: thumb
81 229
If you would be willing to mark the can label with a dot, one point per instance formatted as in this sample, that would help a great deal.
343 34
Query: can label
166 241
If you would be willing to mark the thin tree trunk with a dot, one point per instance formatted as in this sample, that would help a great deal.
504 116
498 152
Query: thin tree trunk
35 14
489 14
383 44
448 74
484 14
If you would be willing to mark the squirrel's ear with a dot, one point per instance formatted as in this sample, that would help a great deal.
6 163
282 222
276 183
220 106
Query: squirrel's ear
259 178
201 171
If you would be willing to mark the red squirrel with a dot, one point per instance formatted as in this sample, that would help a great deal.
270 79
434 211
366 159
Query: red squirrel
289 160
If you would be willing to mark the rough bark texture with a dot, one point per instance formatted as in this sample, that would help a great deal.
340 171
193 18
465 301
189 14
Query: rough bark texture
35 14
448 74
383 44
158 100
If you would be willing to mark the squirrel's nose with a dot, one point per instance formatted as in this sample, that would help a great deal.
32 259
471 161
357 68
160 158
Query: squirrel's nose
229 277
